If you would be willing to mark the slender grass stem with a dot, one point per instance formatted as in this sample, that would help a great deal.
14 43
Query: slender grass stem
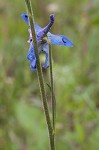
52 88
40 75
52 91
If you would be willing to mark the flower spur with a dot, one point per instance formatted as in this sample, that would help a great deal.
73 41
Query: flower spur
43 37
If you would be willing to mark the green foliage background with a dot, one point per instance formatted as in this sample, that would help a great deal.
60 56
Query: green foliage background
76 75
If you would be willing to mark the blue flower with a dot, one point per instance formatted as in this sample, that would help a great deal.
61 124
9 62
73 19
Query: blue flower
43 37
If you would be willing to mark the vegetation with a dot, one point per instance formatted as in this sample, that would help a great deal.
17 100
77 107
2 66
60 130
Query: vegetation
76 77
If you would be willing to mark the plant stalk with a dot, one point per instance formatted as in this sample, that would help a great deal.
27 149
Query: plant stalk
52 92
40 75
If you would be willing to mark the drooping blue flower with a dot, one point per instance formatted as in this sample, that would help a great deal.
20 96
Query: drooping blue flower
42 34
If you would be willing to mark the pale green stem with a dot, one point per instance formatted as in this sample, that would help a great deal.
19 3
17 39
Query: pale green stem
40 75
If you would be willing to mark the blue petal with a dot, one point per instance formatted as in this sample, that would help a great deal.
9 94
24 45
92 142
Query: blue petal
33 68
25 18
45 48
31 53
59 40
31 57
37 28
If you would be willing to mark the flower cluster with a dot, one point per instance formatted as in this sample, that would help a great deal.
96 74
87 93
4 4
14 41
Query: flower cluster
43 37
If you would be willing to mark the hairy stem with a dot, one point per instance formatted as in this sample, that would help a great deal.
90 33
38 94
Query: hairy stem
40 75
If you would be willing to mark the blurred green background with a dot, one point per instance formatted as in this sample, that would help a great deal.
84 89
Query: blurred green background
76 75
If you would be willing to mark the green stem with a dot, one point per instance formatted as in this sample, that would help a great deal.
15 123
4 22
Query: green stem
40 75
52 91
52 87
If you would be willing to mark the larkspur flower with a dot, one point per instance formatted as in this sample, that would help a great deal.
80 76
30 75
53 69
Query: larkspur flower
43 37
